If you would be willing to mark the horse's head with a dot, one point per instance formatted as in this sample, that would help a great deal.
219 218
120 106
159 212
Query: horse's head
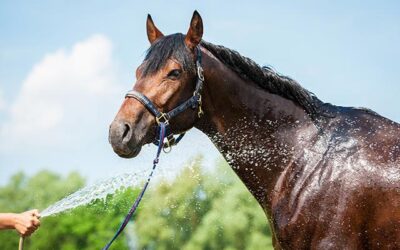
166 78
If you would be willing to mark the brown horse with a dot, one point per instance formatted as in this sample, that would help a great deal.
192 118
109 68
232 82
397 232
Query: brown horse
327 177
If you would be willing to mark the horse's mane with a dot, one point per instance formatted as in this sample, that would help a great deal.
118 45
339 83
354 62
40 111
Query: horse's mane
265 77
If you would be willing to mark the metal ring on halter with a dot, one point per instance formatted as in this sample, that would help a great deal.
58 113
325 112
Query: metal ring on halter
167 147
200 72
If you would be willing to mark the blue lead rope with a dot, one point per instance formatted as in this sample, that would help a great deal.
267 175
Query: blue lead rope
139 198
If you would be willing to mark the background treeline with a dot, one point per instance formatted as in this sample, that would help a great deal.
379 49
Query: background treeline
196 210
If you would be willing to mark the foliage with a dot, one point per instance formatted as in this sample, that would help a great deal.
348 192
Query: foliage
194 211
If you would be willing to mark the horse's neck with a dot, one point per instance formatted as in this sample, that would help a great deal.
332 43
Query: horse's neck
253 129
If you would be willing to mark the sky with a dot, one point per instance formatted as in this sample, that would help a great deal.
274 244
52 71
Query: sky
66 65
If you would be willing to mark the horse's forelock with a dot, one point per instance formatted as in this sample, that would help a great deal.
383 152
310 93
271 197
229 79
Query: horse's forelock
171 46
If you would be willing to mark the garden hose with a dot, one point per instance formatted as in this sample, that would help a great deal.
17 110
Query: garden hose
21 243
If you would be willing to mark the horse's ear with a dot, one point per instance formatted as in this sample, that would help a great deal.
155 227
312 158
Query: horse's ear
195 32
152 32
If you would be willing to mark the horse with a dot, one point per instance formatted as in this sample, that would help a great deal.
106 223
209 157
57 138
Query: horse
326 176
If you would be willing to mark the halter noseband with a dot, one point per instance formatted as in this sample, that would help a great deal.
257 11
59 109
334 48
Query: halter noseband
161 117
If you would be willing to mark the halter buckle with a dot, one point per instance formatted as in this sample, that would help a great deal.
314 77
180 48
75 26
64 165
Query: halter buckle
164 117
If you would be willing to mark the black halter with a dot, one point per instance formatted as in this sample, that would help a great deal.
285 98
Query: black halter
161 117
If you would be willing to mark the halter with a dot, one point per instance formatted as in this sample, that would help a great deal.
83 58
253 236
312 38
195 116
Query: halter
194 102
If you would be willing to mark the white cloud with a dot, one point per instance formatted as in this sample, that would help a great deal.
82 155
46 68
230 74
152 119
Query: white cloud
64 97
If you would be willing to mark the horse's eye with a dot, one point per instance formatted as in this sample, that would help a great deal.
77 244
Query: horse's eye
174 73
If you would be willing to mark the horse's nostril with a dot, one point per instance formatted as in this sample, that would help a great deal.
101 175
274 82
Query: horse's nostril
127 129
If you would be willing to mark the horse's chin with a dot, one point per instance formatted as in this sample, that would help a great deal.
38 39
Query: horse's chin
129 152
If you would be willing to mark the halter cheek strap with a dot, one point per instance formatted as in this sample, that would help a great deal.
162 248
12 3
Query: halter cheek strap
193 102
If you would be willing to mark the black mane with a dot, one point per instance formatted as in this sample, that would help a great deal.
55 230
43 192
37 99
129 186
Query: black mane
265 77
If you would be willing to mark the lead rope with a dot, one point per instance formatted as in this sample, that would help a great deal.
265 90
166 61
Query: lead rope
139 198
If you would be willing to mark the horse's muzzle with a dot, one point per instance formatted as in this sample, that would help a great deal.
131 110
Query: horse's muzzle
122 139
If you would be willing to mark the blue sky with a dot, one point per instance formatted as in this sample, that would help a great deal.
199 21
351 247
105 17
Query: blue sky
65 66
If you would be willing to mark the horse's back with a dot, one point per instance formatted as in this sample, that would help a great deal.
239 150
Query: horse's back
346 196
380 189
367 160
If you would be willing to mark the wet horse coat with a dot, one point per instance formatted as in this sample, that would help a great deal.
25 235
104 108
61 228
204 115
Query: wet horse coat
327 177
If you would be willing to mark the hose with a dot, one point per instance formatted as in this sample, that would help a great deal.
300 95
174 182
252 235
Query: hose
21 243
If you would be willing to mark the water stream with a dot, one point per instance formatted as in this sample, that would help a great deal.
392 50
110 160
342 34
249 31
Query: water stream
98 190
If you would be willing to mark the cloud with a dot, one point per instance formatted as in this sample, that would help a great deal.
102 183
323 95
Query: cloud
64 97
